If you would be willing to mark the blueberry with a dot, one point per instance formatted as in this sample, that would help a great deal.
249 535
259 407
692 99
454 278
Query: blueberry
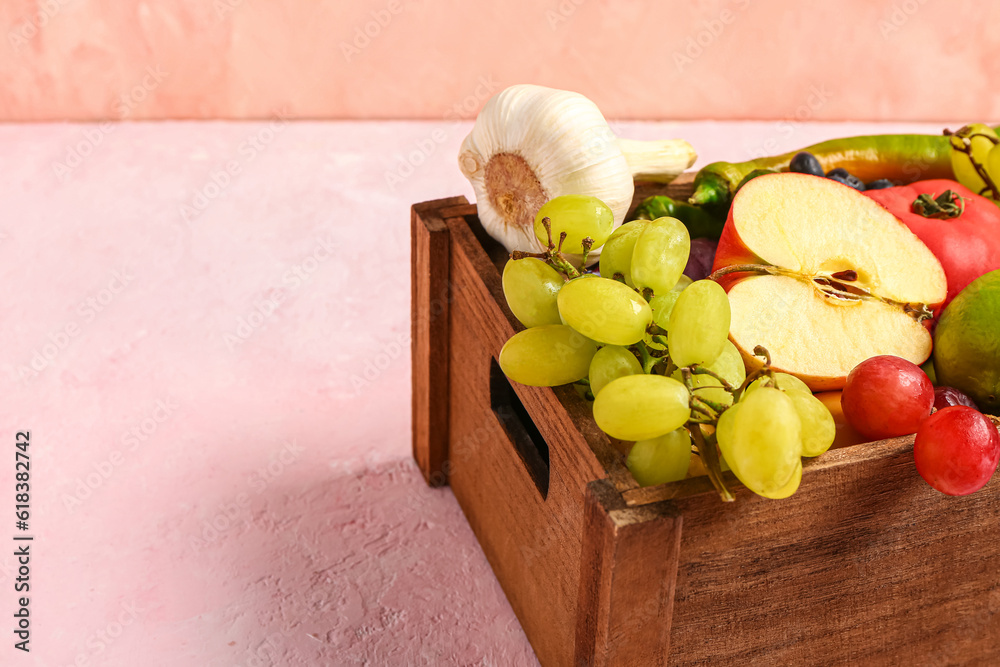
880 184
841 175
806 163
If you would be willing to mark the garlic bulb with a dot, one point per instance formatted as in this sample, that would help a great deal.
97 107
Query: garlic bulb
531 144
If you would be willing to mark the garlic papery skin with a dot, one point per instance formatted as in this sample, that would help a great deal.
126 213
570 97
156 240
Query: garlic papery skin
531 144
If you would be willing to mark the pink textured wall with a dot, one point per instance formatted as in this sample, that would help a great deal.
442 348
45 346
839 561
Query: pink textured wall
852 59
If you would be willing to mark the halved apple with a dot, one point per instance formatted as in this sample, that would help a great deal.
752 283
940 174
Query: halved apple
824 278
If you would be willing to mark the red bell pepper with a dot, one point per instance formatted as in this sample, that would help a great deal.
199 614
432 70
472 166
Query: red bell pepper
962 229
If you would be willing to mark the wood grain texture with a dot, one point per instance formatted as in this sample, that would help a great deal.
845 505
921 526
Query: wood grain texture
429 300
627 577
865 565
533 544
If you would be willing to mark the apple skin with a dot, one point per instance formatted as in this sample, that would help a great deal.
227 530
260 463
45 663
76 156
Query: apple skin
816 383
732 250
967 246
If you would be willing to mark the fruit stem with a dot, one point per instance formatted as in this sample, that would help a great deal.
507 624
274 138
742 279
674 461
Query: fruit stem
748 268
701 370
716 407
828 287
949 204
710 456
701 409
966 148
588 243
553 255
647 360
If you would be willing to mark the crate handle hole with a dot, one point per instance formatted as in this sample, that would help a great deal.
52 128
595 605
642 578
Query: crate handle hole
520 428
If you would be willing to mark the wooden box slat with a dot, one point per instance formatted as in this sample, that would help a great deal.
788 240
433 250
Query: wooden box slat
864 565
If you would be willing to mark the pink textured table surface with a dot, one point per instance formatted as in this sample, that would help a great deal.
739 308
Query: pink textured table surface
205 328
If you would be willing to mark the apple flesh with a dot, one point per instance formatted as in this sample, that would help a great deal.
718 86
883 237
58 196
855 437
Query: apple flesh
838 279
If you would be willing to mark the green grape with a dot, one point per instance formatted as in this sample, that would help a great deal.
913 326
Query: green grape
610 363
699 324
605 310
784 381
982 140
640 407
724 428
993 164
531 287
661 305
764 441
729 365
682 282
661 460
660 254
579 216
818 427
724 431
547 356
616 255
788 489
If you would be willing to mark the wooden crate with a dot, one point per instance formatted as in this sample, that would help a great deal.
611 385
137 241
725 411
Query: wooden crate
865 565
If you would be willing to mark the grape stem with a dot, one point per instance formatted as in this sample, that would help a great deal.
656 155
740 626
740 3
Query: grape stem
717 407
765 372
701 370
828 286
699 408
647 360
966 148
588 244
553 255
707 452
710 456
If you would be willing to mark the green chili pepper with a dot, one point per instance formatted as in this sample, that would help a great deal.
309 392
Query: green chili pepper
902 158
699 222
752 175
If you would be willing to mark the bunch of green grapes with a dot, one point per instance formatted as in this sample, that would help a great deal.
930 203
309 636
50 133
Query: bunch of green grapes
975 159
764 436
650 347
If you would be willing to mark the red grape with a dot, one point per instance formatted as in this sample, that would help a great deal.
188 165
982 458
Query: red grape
956 450
887 396
948 396
700 259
